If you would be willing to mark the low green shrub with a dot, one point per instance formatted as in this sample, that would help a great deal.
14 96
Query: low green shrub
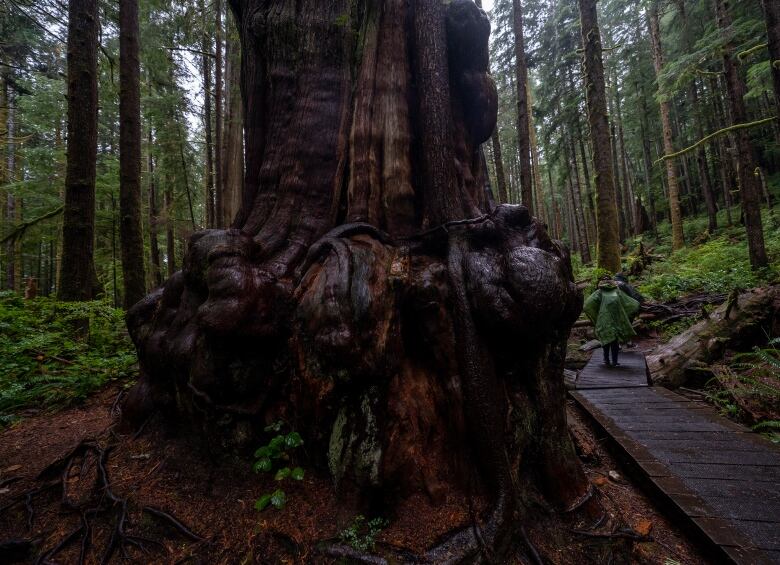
53 354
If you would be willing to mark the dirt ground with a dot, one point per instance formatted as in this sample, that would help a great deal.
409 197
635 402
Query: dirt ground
215 500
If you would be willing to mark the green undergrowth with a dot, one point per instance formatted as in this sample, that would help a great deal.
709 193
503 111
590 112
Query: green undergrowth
709 263
53 354
747 388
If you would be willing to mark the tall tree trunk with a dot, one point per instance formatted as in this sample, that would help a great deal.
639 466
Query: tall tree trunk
749 190
498 159
78 280
646 158
701 162
678 239
523 124
219 200
170 236
536 177
608 242
357 294
209 196
233 139
154 215
579 217
3 171
772 16
130 224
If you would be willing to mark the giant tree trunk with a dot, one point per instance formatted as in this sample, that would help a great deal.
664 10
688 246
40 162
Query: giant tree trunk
77 268
130 226
678 239
368 293
608 240
748 184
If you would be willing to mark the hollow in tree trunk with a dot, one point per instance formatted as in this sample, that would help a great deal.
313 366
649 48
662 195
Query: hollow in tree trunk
368 293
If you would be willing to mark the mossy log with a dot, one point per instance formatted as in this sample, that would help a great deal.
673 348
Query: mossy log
741 322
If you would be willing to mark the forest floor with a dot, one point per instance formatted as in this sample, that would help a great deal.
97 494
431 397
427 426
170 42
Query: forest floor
216 500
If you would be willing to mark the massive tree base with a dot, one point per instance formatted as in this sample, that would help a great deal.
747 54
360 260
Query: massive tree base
430 364
370 295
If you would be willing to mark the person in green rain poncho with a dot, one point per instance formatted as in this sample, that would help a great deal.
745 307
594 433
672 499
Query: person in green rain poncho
611 310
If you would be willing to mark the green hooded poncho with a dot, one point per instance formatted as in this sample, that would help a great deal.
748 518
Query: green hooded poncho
611 311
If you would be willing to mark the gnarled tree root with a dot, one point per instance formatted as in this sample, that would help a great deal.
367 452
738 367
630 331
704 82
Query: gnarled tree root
102 502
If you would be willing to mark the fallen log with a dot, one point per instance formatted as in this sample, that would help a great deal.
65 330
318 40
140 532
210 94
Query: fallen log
744 320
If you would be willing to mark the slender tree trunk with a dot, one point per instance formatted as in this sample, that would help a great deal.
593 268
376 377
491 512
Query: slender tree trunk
628 196
622 225
130 224
537 181
77 270
678 239
577 200
749 190
209 195
219 201
498 159
701 162
772 15
647 163
523 124
607 221
3 172
154 216
170 238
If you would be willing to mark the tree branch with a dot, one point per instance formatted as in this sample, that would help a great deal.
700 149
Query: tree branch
715 134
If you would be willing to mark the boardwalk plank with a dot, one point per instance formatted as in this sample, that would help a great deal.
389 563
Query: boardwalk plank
725 478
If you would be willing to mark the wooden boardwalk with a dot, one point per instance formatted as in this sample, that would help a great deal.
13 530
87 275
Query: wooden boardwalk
720 477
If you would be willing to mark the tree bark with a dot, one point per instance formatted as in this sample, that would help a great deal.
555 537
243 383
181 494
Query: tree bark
523 123
369 293
608 241
498 159
233 139
154 216
78 280
130 225
209 195
772 16
749 190
739 324
219 191
701 162
678 239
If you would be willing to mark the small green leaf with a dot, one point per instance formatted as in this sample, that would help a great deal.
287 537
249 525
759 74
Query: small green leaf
282 473
276 445
278 498
263 502
265 465
293 439
297 474
264 451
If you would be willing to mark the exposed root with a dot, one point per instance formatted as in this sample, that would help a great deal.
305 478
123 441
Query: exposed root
102 501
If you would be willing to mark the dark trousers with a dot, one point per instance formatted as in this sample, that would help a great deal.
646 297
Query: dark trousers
612 348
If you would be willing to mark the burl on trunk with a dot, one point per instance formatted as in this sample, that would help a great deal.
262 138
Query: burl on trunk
369 292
